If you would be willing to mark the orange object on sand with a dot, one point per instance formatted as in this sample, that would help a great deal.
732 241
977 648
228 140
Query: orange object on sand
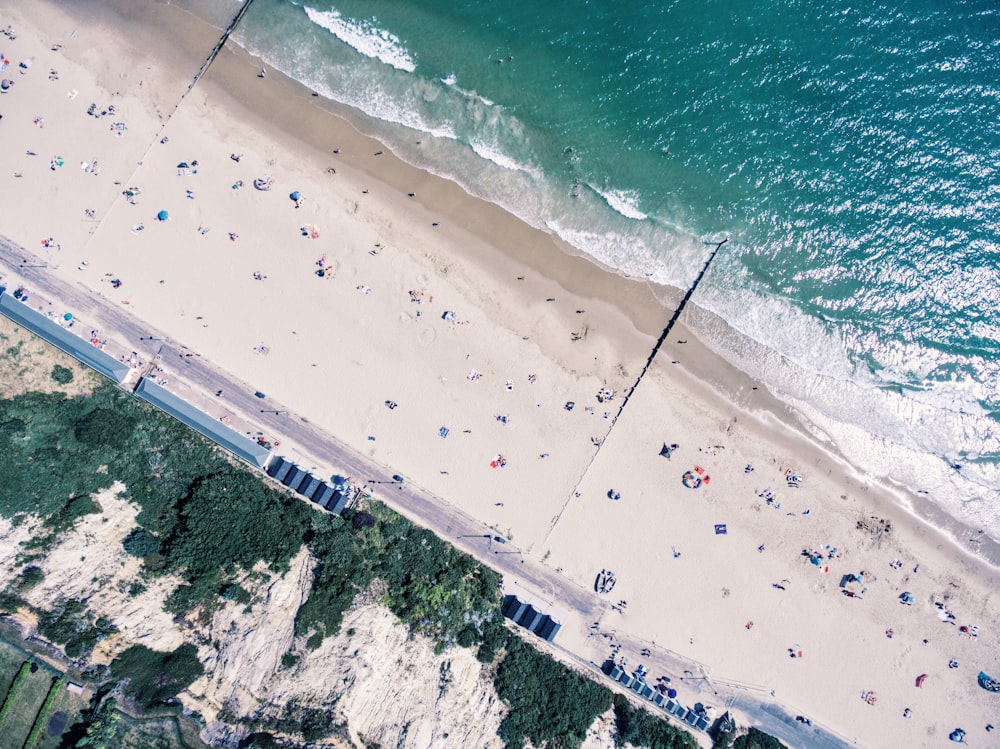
699 470
749 624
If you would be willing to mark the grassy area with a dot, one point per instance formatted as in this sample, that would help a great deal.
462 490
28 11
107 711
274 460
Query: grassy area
10 663
29 699
42 716
27 364
68 709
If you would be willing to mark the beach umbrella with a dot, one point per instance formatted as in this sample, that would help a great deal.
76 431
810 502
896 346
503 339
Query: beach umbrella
6 83
296 195
183 165
68 316
671 693
162 216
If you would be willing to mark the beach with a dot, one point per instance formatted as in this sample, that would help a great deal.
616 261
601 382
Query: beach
485 361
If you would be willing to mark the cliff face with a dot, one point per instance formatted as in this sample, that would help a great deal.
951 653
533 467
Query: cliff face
373 683
373 680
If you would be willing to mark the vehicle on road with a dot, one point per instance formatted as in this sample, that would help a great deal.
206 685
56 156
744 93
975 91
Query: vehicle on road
260 394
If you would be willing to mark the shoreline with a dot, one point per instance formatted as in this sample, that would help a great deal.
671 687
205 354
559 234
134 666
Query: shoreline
485 250
647 305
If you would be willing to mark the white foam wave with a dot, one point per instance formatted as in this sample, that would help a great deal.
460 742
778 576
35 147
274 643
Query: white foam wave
449 80
491 153
365 37
623 201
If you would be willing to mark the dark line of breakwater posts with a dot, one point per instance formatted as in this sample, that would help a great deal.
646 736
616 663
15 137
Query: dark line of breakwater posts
670 324
649 361
666 331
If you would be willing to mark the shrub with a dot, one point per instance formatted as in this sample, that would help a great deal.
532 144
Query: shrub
233 592
29 578
154 677
104 427
62 375
641 728
141 543
548 702
756 739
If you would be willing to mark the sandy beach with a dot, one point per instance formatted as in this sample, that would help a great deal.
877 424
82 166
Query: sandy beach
486 362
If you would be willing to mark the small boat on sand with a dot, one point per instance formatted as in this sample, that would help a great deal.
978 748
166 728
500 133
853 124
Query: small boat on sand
988 682
605 582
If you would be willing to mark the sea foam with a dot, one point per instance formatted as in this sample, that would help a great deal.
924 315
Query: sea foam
365 37
623 201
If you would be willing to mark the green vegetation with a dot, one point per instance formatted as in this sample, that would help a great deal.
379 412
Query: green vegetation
109 728
755 739
62 375
12 691
30 577
22 708
210 521
549 703
103 729
153 677
428 584
43 713
639 727
73 626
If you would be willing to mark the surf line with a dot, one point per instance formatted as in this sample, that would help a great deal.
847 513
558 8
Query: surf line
652 355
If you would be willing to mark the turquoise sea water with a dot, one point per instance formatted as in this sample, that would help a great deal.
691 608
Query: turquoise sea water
849 151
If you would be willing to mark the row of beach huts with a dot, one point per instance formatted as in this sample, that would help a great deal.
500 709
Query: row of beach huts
698 717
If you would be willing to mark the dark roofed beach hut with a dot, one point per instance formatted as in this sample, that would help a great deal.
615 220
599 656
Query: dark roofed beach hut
338 503
323 494
548 628
530 618
278 468
294 477
309 484
513 608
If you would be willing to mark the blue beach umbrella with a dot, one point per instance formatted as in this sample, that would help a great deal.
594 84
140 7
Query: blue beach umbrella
162 216
295 195
68 316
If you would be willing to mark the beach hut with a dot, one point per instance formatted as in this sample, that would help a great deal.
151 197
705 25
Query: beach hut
294 477
309 485
323 494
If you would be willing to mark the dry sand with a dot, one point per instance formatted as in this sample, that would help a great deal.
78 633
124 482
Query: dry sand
336 348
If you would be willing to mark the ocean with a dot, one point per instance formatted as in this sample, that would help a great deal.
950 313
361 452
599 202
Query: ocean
848 150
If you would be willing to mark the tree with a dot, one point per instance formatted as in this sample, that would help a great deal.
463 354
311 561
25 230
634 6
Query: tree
102 730
104 427
141 543
154 677
62 375
756 739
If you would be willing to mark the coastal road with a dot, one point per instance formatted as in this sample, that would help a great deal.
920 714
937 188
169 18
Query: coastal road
448 521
